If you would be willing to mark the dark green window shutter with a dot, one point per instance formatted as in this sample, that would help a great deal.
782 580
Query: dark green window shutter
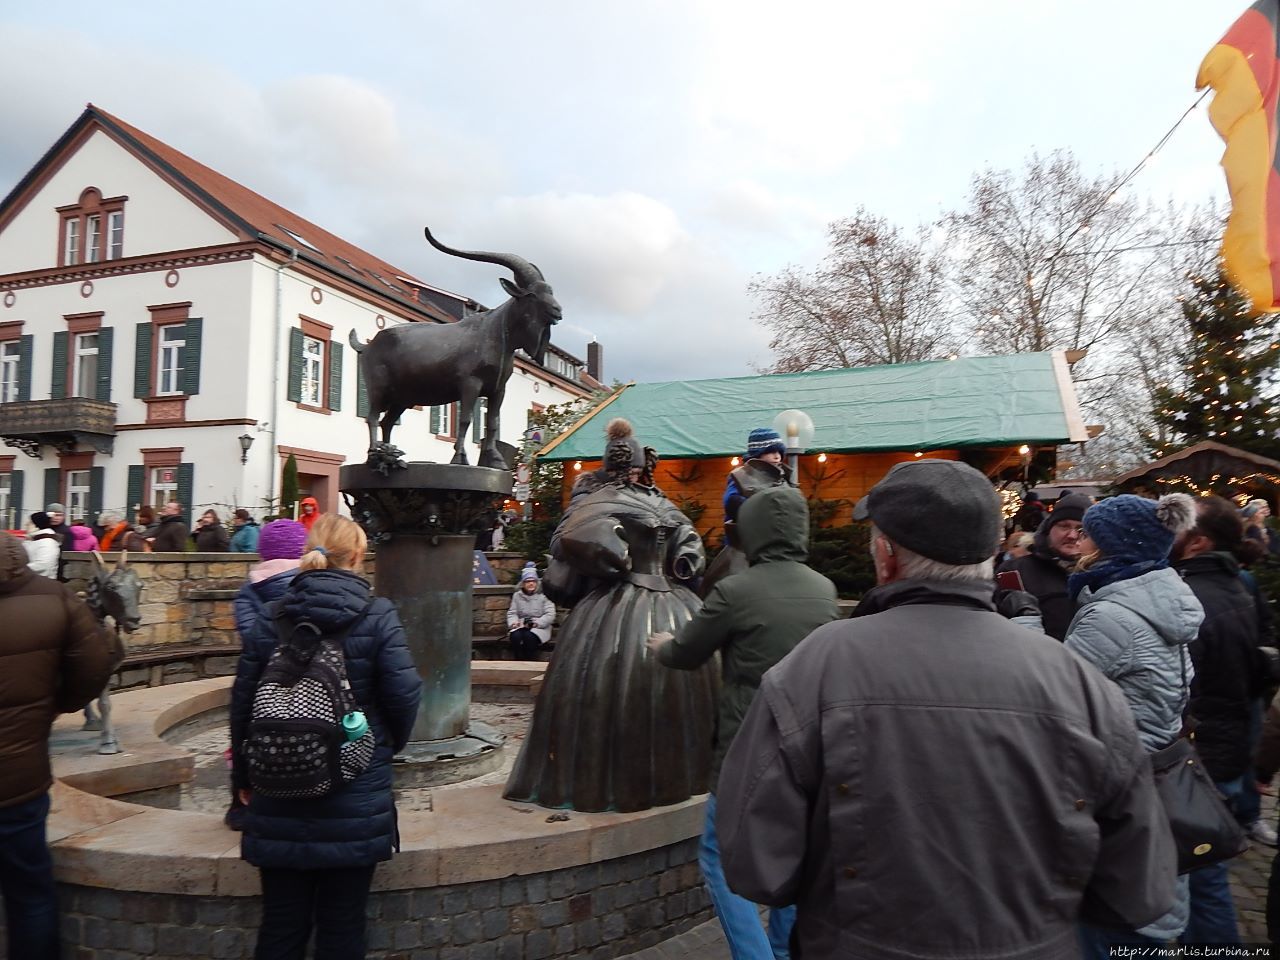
142 361
191 331
106 339
97 480
362 393
58 390
436 420
477 420
134 492
25 344
295 365
52 486
335 376
186 489
15 498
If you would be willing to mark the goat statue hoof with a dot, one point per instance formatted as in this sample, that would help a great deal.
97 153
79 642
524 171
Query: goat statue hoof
383 457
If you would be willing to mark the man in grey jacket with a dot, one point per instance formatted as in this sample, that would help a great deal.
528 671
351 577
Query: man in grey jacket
930 780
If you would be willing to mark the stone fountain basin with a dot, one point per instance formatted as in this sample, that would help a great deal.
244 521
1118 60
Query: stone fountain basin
470 834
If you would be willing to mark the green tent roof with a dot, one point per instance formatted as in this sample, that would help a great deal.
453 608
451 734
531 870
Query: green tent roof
943 404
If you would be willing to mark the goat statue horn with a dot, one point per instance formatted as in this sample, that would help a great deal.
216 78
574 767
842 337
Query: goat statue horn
123 560
101 563
526 272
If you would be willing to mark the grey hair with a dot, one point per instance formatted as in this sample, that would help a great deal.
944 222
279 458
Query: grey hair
912 566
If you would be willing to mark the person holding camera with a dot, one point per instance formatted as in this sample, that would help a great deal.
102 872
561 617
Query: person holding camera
530 616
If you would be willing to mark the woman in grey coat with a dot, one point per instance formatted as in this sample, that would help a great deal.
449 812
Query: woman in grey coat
1134 618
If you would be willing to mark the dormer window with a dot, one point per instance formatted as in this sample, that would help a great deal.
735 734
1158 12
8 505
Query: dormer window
91 230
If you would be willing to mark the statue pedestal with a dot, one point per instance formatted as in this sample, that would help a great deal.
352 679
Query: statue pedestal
423 521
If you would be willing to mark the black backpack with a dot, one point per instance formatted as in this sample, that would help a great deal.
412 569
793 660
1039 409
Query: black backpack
296 747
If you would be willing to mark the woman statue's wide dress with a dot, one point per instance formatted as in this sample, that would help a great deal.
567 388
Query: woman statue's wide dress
613 729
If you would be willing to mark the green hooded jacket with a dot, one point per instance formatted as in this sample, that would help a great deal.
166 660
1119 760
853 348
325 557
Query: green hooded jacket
755 618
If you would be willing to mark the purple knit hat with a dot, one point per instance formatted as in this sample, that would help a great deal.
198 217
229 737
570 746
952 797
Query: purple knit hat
282 540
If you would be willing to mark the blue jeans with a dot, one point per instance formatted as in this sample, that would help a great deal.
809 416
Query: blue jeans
739 917
1248 806
1096 942
1213 912
26 881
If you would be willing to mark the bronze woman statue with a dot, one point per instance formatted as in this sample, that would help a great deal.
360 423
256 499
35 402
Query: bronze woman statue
613 729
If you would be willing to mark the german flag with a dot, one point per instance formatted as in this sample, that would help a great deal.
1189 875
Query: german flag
1244 71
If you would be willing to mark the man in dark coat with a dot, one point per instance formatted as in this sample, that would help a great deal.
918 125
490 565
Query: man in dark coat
753 619
1054 552
171 536
54 658
931 780
1228 677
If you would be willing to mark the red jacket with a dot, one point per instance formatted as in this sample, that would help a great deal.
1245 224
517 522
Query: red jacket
307 519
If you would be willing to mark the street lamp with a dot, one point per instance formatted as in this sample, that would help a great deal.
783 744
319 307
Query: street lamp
796 429
246 441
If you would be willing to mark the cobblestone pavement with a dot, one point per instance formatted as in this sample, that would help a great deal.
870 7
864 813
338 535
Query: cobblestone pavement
1249 875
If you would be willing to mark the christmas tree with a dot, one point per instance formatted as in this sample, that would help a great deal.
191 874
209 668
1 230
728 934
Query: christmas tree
1226 390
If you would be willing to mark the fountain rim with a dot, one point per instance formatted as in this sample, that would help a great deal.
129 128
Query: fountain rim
472 834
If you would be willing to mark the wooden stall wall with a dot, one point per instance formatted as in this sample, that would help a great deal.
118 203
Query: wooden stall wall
697 486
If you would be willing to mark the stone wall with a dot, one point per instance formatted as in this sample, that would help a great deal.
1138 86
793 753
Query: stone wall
597 911
187 597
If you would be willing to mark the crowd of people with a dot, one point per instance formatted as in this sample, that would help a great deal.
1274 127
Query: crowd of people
961 768
48 534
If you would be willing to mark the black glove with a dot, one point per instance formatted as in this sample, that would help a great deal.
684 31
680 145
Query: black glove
1016 603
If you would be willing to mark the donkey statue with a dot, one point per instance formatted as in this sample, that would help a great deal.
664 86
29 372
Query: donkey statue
113 592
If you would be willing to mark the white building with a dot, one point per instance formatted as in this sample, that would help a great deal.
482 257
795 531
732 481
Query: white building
156 316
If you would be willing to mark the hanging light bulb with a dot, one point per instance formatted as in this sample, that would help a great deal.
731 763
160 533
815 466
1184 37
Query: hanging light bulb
822 458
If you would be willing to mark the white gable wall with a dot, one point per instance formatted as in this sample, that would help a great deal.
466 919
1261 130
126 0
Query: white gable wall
156 217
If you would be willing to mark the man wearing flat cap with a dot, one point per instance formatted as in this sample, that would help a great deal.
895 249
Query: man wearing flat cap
928 779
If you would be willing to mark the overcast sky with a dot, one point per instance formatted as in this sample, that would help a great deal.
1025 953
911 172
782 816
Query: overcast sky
650 157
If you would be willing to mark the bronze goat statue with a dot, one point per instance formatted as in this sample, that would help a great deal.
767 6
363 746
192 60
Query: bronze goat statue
433 364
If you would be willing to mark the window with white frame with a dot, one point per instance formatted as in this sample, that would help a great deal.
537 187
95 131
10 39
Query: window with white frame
7 520
93 239
86 366
115 234
164 486
10 370
77 495
312 371
442 417
71 240
169 359
92 229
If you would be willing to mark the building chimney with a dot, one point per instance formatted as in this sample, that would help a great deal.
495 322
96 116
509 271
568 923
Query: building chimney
595 360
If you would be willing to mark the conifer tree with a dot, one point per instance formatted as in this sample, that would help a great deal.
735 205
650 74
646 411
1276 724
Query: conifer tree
1227 386
289 488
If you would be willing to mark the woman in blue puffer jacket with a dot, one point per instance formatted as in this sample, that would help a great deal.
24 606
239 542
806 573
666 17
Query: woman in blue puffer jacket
1134 619
317 857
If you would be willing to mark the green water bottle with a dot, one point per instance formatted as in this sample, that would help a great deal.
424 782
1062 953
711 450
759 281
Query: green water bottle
355 725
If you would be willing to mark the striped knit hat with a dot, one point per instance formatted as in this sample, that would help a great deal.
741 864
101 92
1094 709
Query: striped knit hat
762 440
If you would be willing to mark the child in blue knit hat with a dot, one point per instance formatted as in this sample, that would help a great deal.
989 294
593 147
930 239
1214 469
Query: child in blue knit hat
765 445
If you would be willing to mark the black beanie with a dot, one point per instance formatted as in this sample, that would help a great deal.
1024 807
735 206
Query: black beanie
1070 507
